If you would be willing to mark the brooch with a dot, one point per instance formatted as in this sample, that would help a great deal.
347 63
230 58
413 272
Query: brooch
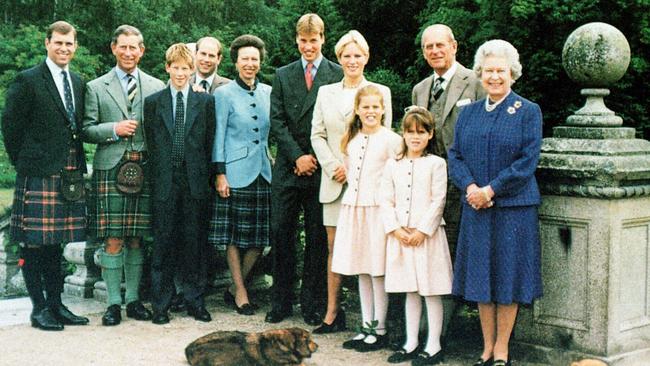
511 110
517 104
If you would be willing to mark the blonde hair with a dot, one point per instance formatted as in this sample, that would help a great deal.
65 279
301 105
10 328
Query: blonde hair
352 36
179 52
310 23
354 124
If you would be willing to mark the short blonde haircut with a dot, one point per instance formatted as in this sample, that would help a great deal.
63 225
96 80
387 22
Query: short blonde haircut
179 52
352 36
498 48
310 23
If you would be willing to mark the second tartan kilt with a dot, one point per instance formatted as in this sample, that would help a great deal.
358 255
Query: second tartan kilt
115 214
243 218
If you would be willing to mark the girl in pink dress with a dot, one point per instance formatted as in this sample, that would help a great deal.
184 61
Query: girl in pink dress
413 189
360 243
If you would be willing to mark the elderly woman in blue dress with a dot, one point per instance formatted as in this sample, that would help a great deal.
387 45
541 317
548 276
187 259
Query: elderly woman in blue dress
240 221
493 160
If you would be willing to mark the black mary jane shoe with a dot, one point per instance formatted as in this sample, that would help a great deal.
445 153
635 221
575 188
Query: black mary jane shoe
245 309
482 362
135 310
381 341
424 358
338 325
402 356
501 363
354 342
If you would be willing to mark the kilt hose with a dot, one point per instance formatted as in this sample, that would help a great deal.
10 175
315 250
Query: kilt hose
115 214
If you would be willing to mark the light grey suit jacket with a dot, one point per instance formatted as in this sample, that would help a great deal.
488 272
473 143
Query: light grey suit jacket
106 105
462 89
216 82
332 113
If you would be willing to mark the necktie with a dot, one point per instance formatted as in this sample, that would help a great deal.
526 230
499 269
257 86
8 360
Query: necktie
178 146
308 78
131 88
437 89
69 106
205 86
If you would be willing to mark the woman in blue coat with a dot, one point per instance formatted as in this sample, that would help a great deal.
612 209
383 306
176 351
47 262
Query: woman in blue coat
240 221
493 159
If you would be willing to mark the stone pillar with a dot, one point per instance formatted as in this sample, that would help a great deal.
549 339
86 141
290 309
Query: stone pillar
11 280
82 281
594 222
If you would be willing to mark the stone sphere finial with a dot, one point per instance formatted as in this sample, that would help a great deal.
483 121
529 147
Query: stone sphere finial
596 55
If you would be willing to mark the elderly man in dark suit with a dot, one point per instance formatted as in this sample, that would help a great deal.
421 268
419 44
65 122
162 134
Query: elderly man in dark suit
450 87
113 121
296 175
40 126
207 59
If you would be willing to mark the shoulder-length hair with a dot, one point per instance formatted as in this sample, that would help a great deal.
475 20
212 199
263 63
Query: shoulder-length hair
354 124
417 117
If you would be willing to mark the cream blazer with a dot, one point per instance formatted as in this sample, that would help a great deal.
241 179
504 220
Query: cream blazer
365 161
332 112
413 194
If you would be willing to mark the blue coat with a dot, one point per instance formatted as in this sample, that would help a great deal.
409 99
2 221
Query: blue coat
499 148
242 133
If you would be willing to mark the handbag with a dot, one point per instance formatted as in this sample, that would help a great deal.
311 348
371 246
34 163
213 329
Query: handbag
130 177
72 185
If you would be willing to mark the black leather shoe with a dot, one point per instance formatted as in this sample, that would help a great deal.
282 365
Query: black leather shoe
277 315
338 325
354 342
381 341
426 359
137 311
66 317
199 313
44 319
245 309
311 318
112 316
160 318
403 356
178 304
481 362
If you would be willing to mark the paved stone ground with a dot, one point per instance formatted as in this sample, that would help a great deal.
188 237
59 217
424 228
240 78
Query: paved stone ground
143 343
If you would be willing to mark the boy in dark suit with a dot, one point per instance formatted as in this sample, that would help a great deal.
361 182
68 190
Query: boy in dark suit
179 129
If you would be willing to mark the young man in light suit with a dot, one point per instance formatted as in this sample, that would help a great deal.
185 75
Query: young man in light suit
450 87
40 127
113 121
180 178
296 176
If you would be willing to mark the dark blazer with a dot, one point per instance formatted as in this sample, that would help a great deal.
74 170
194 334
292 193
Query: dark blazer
199 137
35 123
292 106
500 148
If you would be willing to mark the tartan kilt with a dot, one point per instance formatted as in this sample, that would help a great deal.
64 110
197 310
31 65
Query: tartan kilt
41 216
243 219
118 215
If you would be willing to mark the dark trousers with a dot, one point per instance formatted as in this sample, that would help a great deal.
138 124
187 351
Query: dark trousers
286 203
180 236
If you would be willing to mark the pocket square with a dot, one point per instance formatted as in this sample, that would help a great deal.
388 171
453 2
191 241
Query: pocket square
463 102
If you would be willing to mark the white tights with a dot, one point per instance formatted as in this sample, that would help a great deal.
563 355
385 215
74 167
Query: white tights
374 303
413 309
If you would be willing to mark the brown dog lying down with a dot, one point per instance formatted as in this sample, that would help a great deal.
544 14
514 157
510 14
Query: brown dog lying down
270 348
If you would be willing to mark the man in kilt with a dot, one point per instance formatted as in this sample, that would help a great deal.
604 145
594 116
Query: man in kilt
43 111
113 117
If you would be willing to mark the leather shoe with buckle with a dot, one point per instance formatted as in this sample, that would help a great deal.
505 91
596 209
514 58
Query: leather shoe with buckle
278 314
112 316
44 320
66 317
199 313
424 358
160 318
137 311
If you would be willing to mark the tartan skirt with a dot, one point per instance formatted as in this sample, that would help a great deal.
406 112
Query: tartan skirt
115 214
243 219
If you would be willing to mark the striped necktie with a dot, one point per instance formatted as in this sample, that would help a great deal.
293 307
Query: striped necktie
131 88
205 86
69 105
437 89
